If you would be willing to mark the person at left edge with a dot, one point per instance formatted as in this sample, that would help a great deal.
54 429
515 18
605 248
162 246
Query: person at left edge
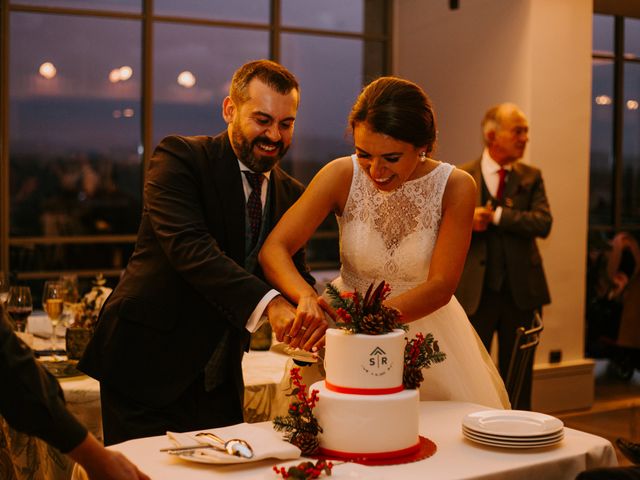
169 343
32 402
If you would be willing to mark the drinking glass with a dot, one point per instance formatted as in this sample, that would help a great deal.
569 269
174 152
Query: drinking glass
70 296
52 302
4 287
19 306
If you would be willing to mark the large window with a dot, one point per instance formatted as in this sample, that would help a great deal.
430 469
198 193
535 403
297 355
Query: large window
614 202
90 86
615 127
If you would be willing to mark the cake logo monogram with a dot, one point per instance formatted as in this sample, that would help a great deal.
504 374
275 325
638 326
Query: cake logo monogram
378 363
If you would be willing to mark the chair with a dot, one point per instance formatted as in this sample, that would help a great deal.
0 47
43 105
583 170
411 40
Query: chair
523 349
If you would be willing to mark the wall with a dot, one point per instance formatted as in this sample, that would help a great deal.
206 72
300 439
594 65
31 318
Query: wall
536 53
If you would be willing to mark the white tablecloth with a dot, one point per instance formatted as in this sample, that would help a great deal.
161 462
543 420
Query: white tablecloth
456 457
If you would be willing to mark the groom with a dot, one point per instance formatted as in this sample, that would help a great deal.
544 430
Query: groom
169 344
503 282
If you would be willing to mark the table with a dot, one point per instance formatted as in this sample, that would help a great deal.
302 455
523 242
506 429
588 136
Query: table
456 458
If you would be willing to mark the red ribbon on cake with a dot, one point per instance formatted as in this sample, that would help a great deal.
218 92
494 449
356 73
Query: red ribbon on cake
363 391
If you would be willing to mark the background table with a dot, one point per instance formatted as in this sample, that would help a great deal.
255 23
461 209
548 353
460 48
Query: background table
456 457
264 377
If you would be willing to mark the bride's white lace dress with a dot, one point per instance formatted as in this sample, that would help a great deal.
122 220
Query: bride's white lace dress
391 236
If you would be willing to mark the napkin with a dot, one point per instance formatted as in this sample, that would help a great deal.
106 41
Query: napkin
39 325
266 443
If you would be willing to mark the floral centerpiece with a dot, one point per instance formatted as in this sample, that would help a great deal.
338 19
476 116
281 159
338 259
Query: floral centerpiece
85 312
84 316
300 425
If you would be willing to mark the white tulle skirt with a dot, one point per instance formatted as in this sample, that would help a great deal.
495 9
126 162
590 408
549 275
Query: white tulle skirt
468 374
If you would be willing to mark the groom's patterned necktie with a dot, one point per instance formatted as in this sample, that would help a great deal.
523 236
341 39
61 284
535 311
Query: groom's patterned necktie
254 204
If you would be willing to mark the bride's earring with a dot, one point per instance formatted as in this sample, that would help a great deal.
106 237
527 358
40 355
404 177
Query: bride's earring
422 157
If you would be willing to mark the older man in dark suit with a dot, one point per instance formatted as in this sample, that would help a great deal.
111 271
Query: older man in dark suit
503 281
169 344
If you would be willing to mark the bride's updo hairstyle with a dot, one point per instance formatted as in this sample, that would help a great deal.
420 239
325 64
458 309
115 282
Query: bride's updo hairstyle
398 108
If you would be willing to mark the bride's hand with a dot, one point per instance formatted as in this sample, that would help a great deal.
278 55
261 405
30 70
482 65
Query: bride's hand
328 309
307 331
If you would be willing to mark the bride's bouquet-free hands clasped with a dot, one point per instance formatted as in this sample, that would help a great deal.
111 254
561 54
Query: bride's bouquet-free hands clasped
369 315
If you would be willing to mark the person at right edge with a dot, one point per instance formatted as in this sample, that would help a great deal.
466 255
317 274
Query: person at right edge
503 282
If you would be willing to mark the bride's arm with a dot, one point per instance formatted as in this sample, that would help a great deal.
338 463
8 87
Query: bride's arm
449 253
326 193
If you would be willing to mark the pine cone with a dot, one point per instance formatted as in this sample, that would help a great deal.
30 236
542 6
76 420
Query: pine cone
390 317
307 442
372 324
412 377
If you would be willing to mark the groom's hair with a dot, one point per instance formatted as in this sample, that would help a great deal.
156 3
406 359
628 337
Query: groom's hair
398 108
270 73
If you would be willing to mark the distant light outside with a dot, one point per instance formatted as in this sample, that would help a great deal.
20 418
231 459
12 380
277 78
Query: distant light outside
47 70
125 72
120 74
186 79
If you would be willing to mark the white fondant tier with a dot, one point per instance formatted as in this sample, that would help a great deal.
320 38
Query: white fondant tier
367 424
367 362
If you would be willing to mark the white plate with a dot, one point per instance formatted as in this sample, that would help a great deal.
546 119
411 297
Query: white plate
512 423
509 444
522 440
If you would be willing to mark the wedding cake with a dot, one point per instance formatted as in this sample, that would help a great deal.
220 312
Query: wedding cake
364 410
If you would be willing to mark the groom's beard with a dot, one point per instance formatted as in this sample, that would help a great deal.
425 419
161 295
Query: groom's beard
245 149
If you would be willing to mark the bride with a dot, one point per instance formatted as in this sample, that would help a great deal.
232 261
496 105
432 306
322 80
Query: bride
404 218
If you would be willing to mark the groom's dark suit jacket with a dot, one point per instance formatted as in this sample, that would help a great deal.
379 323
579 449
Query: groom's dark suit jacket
185 297
525 216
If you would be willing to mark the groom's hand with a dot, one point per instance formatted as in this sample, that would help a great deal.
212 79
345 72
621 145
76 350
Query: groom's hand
281 315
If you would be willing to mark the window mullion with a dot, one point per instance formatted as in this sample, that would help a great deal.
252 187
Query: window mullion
147 86
275 31
618 121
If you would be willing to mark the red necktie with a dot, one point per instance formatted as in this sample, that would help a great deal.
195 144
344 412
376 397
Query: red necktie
254 204
502 173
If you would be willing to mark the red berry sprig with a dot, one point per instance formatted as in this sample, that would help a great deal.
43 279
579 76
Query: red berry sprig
305 470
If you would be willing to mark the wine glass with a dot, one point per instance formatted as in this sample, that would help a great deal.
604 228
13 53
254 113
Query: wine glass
19 306
4 287
52 302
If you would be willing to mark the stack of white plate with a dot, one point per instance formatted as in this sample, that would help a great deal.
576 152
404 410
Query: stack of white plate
512 428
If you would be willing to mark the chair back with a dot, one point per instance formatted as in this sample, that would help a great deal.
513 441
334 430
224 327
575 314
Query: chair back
523 349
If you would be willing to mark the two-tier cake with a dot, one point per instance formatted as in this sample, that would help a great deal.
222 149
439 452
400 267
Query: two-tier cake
364 410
